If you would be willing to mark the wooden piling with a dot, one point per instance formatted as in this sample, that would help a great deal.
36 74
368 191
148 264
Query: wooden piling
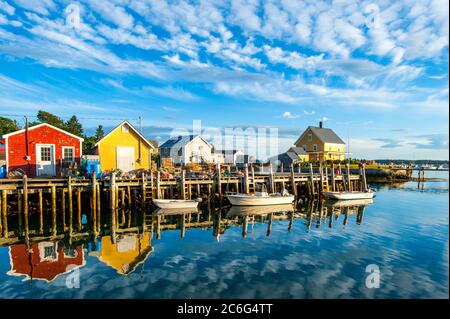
293 185
4 213
271 181
79 208
63 210
143 190
364 178
333 178
41 211
349 182
25 205
311 177
70 199
112 204
246 180
158 184
54 230
183 184
98 206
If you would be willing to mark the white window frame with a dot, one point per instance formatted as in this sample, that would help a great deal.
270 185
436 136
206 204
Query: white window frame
125 128
304 147
73 152
309 137
314 147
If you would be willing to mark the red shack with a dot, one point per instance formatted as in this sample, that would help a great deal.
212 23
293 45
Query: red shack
41 150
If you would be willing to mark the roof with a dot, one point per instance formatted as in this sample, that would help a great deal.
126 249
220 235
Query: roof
132 128
326 135
40 125
154 143
228 152
181 141
297 150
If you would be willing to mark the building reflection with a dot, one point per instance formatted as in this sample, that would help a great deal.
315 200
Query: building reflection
128 248
45 260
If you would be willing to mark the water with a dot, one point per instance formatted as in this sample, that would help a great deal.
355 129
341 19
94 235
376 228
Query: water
404 232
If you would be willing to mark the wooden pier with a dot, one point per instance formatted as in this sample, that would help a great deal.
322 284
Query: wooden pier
104 201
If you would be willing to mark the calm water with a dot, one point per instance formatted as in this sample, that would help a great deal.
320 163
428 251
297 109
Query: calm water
404 232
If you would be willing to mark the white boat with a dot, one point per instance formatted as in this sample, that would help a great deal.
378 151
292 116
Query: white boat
349 195
259 199
176 203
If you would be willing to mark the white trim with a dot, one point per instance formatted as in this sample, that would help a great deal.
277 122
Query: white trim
71 147
40 125
134 130
54 157
81 150
314 149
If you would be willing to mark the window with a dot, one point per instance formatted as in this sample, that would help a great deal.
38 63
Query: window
49 252
125 128
304 147
309 137
329 147
46 152
314 147
68 153
180 152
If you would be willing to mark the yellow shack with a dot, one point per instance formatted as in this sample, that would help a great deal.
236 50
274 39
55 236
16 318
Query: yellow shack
124 148
127 253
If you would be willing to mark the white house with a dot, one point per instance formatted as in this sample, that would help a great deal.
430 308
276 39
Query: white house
187 149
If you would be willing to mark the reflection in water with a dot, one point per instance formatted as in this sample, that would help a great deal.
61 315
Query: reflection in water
318 250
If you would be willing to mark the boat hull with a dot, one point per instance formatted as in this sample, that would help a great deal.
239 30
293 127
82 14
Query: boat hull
239 200
348 195
175 204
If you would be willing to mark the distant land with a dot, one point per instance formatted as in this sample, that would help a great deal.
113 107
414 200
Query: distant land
414 162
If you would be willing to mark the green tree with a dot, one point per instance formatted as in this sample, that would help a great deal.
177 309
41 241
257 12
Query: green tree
74 126
99 133
88 144
7 125
46 117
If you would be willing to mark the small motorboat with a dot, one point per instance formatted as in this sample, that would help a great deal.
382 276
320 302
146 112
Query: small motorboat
176 203
260 199
349 195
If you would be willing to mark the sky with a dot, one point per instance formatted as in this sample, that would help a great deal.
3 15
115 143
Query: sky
376 72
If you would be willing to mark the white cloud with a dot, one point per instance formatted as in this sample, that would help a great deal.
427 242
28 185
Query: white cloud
115 14
6 7
39 6
289 116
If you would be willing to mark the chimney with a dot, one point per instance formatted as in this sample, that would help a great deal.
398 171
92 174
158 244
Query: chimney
321 124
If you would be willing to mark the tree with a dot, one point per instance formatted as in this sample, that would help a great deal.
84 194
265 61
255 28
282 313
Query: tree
88 144
74 126
46 117
7 125
99 133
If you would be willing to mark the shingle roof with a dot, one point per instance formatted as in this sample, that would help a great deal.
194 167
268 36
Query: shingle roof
297 150
326 135
180 141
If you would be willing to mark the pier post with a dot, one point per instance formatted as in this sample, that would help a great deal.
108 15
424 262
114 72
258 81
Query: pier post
63 209
364 177
99 200
79 208
246 180
293 186
311 177
219 180
158 184
20 210
69 195
112 205
94 202
4 213
271 181
54 231
349 182
183 184
25 205
333 180
41 212
143 193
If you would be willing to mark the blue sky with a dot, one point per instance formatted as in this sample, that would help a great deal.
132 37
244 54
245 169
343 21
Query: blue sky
374 71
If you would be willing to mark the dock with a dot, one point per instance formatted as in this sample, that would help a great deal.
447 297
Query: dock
67 201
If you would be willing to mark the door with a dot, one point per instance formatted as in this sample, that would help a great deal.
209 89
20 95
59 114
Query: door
45 160
125 158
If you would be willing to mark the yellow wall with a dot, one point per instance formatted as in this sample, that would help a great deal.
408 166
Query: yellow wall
322 148
107 149
124 259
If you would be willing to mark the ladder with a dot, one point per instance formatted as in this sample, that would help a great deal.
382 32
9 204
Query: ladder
324 181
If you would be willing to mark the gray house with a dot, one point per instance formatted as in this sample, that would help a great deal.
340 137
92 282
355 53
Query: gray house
294 155
186 149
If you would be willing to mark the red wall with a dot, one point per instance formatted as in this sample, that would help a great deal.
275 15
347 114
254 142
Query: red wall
41 135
